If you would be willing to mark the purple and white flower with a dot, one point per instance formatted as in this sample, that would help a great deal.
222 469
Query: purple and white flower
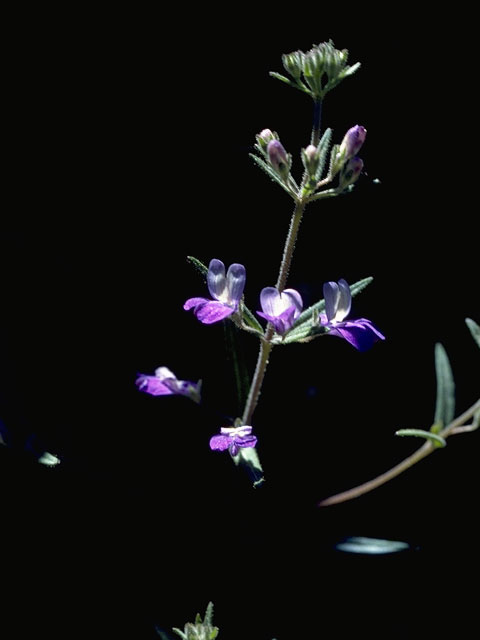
281 309
166 383
226 291
361 333
233 439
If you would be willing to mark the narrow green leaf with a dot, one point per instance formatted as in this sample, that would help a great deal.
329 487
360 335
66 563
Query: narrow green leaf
323 147
349 71
208 619
445 402
251 320
198 265
271 173
180 633
474 330
420 433
296 85
279 76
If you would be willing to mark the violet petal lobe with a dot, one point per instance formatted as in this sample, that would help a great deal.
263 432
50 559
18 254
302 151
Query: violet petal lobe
234 447
344 300
216 280
274 303
362 334
213 311
295 299
331 295
236 277
153 386
194 302
220 443
246 441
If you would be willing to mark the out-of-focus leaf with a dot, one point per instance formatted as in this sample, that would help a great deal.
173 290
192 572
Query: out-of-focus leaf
474 329
371 546
445 403
48 459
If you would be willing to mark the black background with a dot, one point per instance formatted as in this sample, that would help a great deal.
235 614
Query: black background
130 136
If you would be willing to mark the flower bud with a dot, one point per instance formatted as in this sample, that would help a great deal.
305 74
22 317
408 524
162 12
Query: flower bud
351 172
278 157
310 159
352 142
264 137
293 63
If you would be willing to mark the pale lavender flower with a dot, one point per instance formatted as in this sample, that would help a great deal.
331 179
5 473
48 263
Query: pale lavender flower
233 439
165 383
281 309
227 291
361 333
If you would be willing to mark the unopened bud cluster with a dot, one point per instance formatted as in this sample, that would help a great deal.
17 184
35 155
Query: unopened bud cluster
344 158
317 71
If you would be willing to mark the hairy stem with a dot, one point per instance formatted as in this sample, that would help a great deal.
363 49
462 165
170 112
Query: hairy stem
266 345
290 245
256 386
425 450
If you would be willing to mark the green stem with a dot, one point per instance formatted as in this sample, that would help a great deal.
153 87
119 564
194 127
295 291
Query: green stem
258 376
290 245
425 450
266 344
317 122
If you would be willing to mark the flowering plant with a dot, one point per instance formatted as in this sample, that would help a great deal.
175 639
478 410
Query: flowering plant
282 315
329 170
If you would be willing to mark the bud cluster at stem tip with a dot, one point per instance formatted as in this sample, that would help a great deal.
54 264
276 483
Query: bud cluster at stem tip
317 71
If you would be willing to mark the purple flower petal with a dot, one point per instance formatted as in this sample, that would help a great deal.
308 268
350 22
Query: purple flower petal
269 301
234 447
344 300
213 311
220 443
194 302
246 441
283 322
331 295
236 277
216 280
153 386
338 300
361 333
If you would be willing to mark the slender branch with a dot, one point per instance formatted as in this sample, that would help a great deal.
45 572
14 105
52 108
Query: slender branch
317 122
290 245
425 450
258 376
